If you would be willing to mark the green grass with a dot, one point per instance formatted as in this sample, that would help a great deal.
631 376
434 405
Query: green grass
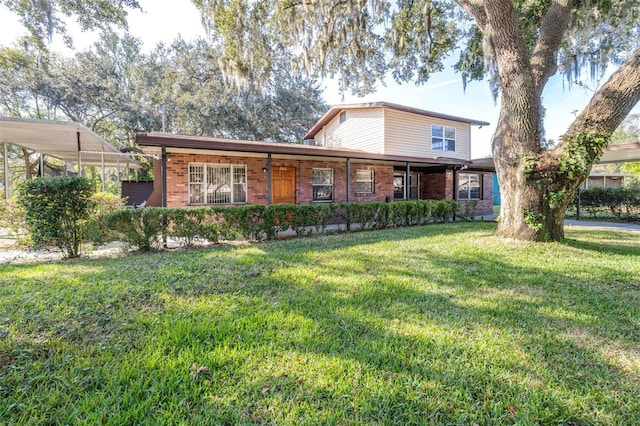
439 324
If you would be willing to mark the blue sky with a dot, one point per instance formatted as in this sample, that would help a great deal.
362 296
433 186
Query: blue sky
164 20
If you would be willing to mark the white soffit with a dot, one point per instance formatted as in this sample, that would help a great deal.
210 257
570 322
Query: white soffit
59 139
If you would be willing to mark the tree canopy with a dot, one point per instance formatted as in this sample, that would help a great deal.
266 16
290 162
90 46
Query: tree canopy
517 44
43 18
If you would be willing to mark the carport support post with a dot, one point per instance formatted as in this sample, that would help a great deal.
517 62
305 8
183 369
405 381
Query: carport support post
5 151
102 168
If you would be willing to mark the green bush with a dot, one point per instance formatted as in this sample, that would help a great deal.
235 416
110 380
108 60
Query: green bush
618 203
470 208
12 222
96 229
57 209
278 218
140 227
189 225
143 227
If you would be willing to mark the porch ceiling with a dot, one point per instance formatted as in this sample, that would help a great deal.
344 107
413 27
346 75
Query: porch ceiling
64 140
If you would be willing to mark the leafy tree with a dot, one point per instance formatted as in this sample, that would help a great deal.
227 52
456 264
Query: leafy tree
43 18
192 96
518 44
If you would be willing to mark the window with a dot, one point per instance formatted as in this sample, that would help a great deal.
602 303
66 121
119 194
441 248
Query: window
469 186
364 181
217 183
343 116
443 138
414 186
322 184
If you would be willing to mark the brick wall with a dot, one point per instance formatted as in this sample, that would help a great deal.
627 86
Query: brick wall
257 180
382 183
434 186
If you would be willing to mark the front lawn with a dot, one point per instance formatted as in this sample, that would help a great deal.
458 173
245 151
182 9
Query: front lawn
441 324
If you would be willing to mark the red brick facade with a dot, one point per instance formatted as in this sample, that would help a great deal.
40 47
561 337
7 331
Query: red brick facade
435 185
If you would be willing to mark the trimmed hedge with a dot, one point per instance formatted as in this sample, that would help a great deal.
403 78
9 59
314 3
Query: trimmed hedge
144 228
619 203
56 211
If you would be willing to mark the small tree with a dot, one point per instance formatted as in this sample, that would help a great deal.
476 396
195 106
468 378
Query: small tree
56 211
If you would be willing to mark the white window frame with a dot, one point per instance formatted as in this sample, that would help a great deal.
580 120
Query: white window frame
414 185
365 178
319 185
202 192
465 179
446 142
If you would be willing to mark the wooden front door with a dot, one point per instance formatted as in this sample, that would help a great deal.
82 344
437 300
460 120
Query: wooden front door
284 184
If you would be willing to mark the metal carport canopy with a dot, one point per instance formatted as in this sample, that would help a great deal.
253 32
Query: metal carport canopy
621 153
66 140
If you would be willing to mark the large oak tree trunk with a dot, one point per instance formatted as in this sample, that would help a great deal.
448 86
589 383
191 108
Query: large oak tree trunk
537 186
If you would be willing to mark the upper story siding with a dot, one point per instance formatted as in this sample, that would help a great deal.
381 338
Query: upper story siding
410 134
362 129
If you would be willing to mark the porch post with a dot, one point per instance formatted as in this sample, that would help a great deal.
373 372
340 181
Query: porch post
164 176
5 149
455 193
269 183
41 165
407 182
348 179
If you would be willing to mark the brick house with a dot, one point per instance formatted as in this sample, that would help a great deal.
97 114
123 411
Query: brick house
361 152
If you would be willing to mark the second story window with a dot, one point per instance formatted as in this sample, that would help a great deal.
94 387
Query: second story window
443 138
343 116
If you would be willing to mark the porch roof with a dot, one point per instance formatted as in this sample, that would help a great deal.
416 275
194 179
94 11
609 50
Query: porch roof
65 140
169 140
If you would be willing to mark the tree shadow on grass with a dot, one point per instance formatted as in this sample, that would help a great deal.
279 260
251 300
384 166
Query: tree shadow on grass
424 336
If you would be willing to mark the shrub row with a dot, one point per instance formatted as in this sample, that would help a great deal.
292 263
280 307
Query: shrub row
145 228
621 203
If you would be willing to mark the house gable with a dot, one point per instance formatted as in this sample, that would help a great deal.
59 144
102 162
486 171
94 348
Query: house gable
361 129
392 129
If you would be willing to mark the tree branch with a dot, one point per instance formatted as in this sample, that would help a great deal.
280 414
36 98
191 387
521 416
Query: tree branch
475 8
612 103
544 56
